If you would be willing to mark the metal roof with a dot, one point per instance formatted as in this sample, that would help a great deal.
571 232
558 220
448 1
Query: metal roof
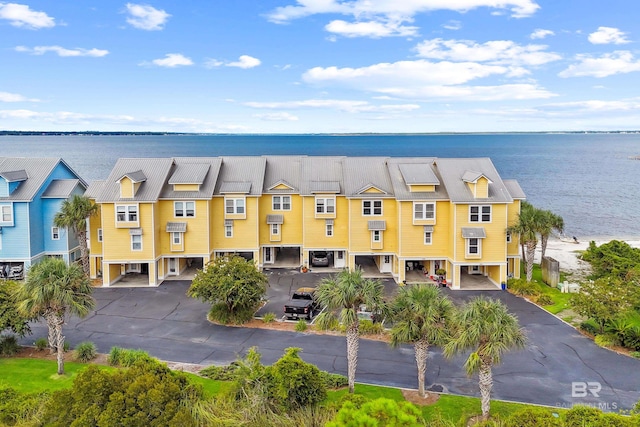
275 219
37 169
135 232
378 225
60 188
285 170
155 170
13 176
514 189
361 173
324 187
95 187
136 176
176 227
228 222
452 172
473 233
241 187
242 169
418 173
189 173
321 169
401 188
428 228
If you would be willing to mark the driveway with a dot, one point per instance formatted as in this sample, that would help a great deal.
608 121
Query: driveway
171 326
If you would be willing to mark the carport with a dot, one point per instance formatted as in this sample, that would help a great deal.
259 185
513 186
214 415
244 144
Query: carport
470 280
281 256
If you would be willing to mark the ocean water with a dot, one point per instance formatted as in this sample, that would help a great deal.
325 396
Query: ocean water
588 179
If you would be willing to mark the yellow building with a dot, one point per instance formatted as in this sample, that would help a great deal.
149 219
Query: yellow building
405 218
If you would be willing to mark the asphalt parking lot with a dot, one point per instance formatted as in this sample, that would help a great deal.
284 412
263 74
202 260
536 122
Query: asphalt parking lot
166 323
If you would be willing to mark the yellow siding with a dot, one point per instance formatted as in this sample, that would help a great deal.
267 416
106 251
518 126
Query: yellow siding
186 187
315 228
493 246
117 246
95 222
412 236
290 230
482 188
245 231
422 188
281 187
126 188
372 190
195 240
513 248
360 235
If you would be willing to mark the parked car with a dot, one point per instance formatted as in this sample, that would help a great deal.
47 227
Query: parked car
303 304
320 259
364 313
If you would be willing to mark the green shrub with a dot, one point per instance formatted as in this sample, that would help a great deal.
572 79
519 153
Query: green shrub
544 299
221 373
379 412
115 356
590 326
580 416
41 343
532 417
631 338
357 400
327 322
367 327
606 340
20 408
269 317
220 313
635 354
66 346
86 351
334 381
301 325
126 357
522 287
8 345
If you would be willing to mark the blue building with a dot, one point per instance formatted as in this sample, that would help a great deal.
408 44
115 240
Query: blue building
31 193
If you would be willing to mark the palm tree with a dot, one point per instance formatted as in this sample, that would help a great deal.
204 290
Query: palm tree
346 292
485 327
73 215
549 222
53 290
423 318
527 229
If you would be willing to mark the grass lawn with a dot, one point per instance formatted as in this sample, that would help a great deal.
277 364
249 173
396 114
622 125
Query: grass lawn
560 300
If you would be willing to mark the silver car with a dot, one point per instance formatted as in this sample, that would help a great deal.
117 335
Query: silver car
320 259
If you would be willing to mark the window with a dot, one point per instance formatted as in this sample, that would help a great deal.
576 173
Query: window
480 213
228 230
424 210
234 206
127 213
376 236
428 237
329 230
136 242
473 246
371 207
55 233
281 203
7 213
99 234
184 209
325 205
509 237
275 229
176 238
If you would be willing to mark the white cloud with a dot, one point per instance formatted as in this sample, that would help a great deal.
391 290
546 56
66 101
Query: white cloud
595 105
337 104
145 17
61 51
404 9
618 62
15 97
519 91
452 25
608 35
244 61
278 117
373 29
172 60
20 15
494 52
539 33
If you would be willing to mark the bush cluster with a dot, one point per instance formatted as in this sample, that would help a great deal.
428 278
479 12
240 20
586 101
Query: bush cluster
8 345
86 351
522 288
127 357
41 343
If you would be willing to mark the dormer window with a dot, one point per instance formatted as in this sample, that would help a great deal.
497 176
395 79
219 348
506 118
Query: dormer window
130 184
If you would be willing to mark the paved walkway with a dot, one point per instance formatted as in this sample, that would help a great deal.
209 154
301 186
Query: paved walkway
171 326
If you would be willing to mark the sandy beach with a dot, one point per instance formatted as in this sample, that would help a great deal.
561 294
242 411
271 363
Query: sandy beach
566 252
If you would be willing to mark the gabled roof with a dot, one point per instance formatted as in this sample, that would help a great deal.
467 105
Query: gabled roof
37 170
473 176
453 170
14 176
286 170
321 174
249 171
156 172
136 176
61 188
94 189
361 173
370 186
514 189
185 169
422 169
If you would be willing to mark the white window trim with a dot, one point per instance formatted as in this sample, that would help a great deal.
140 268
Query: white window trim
55 233
480 214
325 205
9 208
281 203
509 237
468 247
235 206
99 234
127 213
173 238
228 228
275 229
132 242
184 209
424 210
372 207
375 233
328 230
430 235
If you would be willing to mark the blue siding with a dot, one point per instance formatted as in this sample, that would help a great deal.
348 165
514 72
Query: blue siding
4 188
15 240
49 209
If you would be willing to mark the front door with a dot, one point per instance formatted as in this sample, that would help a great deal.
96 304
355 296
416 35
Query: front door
172 266
385 266
339 260
268 255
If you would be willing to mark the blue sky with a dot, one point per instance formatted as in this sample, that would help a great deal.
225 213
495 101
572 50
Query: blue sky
299 66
